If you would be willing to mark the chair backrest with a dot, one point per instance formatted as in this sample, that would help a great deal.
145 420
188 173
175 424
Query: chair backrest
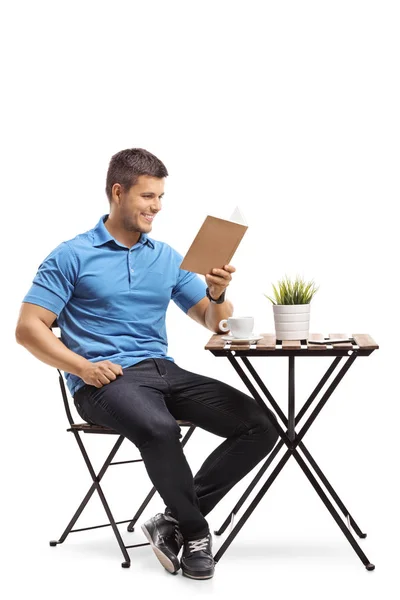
62 384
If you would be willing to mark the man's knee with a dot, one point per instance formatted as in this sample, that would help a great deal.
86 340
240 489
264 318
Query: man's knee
265 431
159 433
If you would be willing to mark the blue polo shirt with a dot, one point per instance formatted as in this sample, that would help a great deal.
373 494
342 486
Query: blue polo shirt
111 300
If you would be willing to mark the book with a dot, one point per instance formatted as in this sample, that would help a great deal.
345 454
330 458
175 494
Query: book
215 243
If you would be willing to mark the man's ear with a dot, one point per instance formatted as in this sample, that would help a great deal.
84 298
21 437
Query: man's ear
116 193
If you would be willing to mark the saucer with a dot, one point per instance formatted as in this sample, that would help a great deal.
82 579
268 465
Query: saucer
253 338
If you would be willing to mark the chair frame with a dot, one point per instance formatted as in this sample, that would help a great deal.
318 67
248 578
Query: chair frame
77 429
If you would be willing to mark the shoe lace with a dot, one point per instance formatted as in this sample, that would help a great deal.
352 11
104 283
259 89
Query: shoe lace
196 545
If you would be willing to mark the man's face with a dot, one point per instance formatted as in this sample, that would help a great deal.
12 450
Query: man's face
141 203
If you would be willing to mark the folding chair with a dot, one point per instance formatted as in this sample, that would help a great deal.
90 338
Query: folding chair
79 428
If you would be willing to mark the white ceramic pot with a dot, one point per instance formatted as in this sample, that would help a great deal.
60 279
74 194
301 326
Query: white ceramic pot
292 321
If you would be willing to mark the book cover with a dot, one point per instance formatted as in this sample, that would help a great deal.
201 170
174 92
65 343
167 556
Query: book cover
215 244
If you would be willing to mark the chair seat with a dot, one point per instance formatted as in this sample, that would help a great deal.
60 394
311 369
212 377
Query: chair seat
88 428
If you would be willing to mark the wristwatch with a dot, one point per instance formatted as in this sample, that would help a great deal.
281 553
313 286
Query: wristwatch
220 300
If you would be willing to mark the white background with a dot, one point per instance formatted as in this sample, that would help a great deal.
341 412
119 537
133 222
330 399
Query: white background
289 110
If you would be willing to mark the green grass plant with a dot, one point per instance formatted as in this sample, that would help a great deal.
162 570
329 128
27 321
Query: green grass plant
293 292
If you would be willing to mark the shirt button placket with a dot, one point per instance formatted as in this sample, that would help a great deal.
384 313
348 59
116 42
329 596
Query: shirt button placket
130 268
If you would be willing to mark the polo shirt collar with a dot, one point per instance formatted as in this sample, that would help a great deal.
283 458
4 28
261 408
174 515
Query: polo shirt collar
101 235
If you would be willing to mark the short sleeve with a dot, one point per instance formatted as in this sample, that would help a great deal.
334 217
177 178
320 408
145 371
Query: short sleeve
55 279
189 288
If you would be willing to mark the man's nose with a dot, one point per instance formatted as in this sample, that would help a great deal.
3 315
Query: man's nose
156 205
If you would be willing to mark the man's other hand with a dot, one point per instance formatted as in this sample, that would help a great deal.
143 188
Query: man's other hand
100 373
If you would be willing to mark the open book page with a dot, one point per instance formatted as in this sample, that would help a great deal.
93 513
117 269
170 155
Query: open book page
237 217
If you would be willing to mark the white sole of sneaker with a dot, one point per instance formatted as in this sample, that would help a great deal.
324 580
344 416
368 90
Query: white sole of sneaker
197 576
163 558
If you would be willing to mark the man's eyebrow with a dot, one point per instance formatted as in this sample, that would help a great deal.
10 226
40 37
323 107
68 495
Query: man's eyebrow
151 194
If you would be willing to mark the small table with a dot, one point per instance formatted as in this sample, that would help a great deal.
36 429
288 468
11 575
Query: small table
362 344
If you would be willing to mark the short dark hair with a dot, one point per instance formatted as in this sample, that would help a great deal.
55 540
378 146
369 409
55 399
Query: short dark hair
126 167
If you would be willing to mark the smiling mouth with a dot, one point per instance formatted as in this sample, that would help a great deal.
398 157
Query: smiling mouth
147 217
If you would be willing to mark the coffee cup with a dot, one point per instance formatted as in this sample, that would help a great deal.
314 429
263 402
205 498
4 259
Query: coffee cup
240 327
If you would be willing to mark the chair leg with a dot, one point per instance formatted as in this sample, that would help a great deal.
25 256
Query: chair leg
96 486
90 492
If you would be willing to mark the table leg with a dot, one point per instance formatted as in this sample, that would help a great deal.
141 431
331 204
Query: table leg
291 421
249 489
332 491
261 472
368 565
298 418
292 441
252 506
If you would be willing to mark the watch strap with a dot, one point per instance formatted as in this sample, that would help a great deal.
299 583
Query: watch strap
220 300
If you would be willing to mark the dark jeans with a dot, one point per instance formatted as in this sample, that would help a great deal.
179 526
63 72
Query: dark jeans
143 405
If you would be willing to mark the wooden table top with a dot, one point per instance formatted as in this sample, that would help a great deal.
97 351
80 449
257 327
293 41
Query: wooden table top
267 345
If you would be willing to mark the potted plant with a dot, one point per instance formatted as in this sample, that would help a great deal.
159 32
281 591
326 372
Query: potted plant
292 308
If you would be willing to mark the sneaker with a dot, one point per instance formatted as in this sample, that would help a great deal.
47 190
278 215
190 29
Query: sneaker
197 560
165 539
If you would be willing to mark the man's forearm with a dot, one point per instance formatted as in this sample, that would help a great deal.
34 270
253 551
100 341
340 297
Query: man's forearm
42 343
215 313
